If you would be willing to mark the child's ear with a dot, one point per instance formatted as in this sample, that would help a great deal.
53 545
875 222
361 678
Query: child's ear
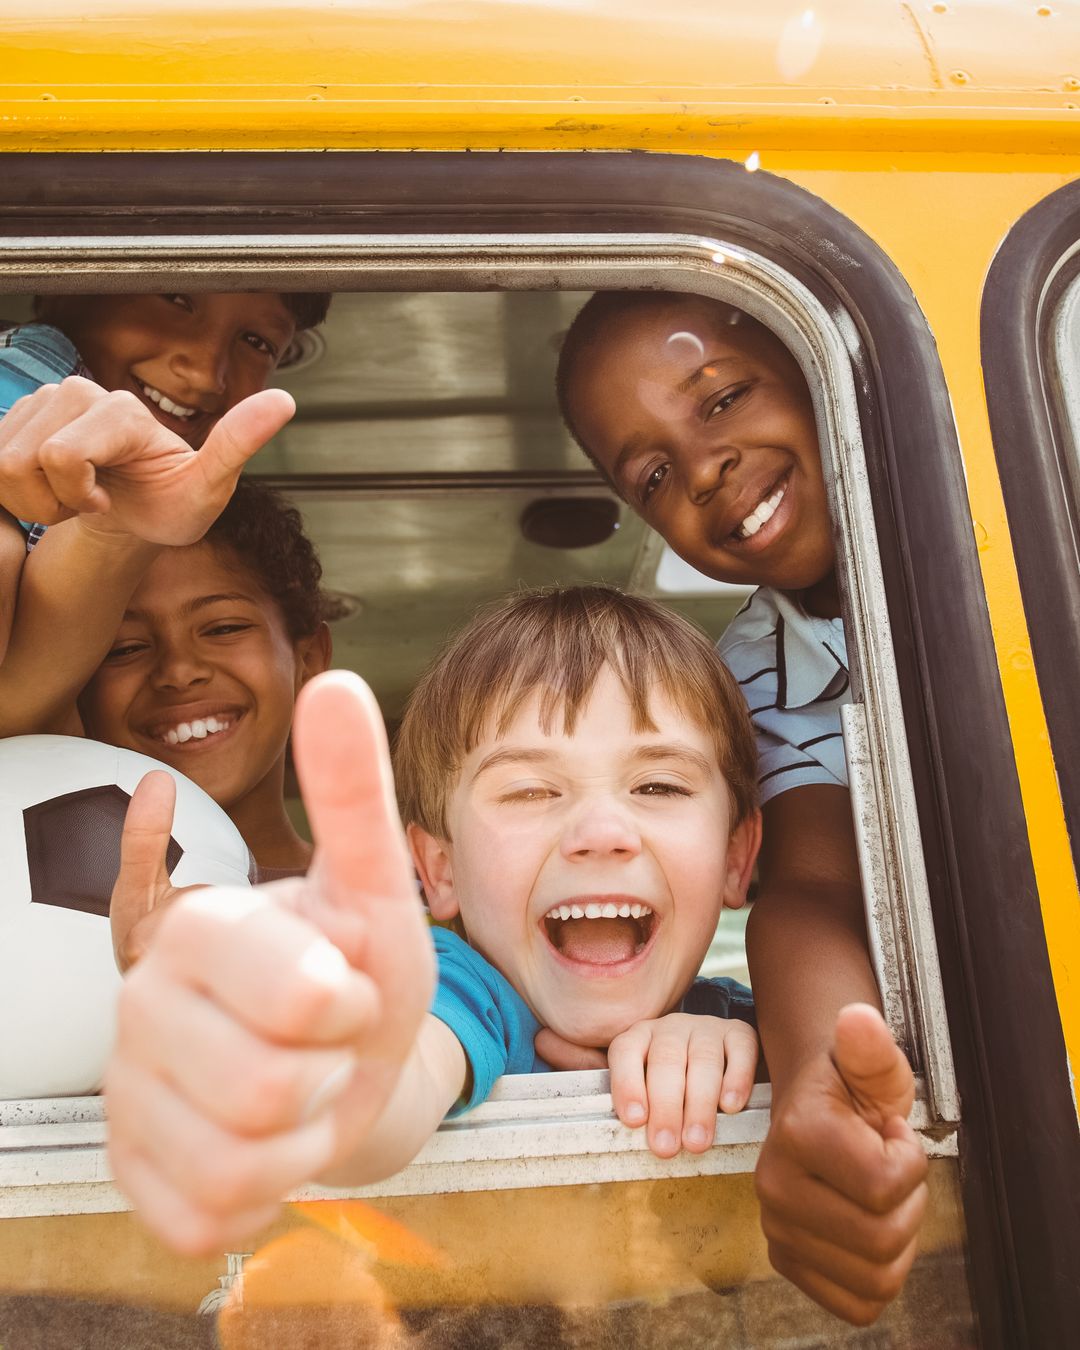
313 654
431 858
741 855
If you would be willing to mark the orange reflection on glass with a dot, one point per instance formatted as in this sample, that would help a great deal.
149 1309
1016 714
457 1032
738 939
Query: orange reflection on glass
315 1285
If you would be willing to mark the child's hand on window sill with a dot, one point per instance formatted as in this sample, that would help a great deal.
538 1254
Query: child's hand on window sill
671 1074
674 1073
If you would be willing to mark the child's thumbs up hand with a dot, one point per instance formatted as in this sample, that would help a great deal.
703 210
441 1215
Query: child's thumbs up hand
76 449
264 1030
143 890
874 1069
842 1176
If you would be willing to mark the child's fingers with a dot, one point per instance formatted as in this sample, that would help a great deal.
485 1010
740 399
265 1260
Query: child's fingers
665 1080
829 1292
25 491
248 1085
741 1057
169 1213
262 964
706 1059
220 1172
875 1169
240 433
143 847
72 478
873 1067
626 1061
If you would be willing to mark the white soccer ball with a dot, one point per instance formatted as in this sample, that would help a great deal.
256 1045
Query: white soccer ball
62 807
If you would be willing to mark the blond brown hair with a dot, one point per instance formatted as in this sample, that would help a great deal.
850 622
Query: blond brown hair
557 641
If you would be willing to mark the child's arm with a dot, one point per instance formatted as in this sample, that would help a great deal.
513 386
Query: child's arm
75 448
275 1035
70 601
841 1174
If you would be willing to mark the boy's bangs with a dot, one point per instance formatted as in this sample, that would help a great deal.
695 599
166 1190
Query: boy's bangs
552 645
564 690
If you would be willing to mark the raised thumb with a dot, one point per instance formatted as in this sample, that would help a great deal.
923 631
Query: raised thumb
873 1067
143 847
241 432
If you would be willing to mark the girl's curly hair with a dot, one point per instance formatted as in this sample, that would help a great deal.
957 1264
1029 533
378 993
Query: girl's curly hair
267 535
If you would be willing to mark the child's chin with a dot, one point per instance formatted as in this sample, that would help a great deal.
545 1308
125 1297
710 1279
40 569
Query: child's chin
597 1031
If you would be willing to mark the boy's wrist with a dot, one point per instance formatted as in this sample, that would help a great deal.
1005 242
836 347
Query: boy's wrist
113 538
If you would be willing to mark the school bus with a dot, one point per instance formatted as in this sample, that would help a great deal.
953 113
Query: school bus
894 188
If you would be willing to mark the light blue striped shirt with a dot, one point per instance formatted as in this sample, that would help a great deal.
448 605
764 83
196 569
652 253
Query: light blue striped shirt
792 669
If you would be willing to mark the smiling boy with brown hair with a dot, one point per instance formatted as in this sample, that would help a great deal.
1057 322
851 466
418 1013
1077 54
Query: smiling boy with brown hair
577 775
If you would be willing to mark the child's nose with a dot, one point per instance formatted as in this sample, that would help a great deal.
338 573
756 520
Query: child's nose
202 364
179 667
707 469
601 829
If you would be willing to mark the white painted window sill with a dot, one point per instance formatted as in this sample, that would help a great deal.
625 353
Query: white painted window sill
553 1129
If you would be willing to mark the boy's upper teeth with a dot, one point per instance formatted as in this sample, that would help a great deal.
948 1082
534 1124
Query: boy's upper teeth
760 514
166 404
198 729
607 910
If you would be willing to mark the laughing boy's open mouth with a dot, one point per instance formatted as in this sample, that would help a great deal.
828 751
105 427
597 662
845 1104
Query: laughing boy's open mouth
600 933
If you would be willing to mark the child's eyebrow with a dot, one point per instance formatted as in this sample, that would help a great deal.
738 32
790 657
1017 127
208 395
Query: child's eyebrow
655 752
200 602
510 754
672 750
709 368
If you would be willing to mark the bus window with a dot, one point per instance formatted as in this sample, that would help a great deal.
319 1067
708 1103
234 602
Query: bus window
433 471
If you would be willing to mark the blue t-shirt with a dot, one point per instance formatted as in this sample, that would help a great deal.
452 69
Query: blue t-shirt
31 355
496 1029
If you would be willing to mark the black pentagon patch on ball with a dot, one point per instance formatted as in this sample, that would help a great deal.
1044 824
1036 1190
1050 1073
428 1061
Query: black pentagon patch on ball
73 848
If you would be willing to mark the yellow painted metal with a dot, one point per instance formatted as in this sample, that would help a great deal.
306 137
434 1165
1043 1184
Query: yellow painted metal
933 126
159 74
588 1245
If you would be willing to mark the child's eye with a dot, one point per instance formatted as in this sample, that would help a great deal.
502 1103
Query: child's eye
124 649
728 399
659 788
653 481
261 345
227 629
529 794
181 302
